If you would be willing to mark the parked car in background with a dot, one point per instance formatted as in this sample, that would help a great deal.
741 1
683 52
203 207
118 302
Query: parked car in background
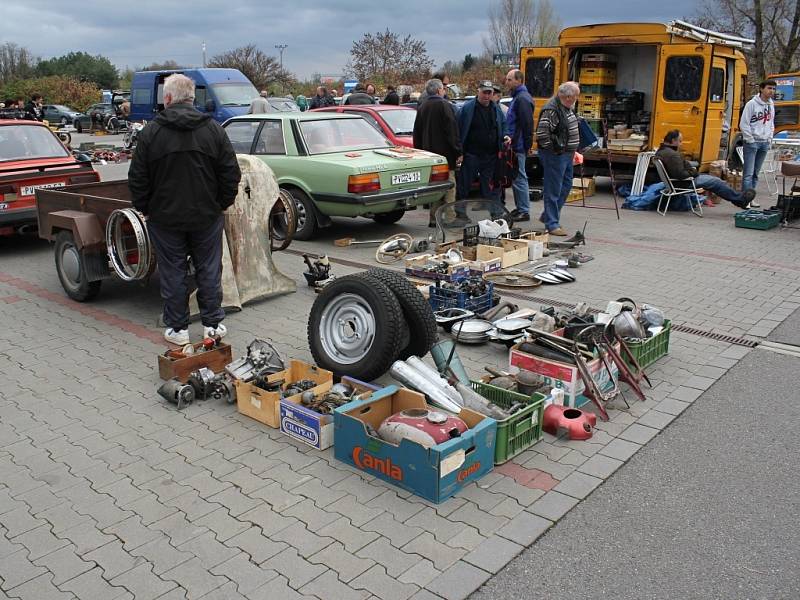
98 113
282 104
32 157
337 165
395 122
58 113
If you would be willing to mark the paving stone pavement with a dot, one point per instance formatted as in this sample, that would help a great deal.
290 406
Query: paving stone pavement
106 492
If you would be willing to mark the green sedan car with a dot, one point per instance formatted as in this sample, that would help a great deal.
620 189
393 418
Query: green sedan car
338 165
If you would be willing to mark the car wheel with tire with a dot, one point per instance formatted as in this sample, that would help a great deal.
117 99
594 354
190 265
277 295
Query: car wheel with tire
356 327
64 121
306 215
389 218
72 270
416 310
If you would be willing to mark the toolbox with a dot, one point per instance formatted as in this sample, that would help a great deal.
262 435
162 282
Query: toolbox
434 473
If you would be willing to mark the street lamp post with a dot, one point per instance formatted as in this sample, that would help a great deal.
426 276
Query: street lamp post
280 48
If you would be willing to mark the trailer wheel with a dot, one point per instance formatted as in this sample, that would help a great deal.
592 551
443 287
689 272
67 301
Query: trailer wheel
72 270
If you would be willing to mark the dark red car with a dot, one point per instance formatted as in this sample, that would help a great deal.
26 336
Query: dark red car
395 122
31 157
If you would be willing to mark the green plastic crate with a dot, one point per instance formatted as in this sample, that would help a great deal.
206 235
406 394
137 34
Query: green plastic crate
758 219
650 350
519 431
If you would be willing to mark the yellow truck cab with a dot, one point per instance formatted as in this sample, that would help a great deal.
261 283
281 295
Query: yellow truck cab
651 78
787 101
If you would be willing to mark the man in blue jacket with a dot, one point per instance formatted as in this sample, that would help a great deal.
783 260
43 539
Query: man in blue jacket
482 127
519 120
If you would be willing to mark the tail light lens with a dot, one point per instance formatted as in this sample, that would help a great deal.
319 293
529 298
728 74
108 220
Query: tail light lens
9 190
359 184
85 178
439 173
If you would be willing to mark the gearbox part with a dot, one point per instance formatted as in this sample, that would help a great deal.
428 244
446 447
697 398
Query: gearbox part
175 392
261 359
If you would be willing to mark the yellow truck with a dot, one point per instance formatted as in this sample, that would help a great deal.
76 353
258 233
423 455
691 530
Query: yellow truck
666 76
787 101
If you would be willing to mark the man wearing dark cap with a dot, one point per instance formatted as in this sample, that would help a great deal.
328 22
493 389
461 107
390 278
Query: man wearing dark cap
482 128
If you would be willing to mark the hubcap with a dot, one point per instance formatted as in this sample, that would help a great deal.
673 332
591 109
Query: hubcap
301 215
347 328
71 265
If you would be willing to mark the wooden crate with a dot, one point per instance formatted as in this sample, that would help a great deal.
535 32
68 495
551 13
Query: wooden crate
215 360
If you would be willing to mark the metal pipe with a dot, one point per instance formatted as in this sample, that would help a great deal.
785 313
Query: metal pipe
415 380
415 362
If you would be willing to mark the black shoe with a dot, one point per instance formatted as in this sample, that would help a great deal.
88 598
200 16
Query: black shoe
432 224
521 217
748 195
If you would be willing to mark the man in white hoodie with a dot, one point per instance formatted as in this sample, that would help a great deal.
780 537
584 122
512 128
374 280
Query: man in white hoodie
757 125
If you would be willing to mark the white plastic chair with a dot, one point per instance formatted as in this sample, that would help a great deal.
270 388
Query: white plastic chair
769 168
676 187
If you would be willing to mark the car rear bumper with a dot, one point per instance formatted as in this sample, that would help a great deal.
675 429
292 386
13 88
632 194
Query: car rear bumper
372 200
20 216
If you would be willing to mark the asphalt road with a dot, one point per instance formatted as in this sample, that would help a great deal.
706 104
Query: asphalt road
709 509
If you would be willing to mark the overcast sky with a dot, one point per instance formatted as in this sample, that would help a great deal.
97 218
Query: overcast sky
318 33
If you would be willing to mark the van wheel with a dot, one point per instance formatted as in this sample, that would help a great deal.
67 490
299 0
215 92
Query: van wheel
306 215
389 218
72 270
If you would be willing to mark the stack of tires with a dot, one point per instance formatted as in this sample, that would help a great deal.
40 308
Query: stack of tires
361 323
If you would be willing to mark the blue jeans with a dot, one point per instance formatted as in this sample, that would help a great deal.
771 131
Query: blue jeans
557 185
716 186
483 166
522 198
754 155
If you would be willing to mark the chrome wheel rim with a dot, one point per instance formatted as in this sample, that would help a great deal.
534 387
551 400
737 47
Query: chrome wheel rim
347 329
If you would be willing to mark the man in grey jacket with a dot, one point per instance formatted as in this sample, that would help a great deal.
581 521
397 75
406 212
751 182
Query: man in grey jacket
558 137
757 125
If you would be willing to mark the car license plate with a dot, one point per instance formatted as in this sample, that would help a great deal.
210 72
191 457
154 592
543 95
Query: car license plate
29 189
406 177
3 205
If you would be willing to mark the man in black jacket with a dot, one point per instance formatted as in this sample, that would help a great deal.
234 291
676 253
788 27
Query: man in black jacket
519 120
436 130
184 174
679 168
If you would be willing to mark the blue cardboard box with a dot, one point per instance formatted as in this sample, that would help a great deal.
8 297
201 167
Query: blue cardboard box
434 473
309 426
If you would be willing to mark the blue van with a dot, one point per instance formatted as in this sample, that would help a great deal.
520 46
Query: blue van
223 93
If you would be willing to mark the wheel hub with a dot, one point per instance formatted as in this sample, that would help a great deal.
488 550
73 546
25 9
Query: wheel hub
347 328
71 264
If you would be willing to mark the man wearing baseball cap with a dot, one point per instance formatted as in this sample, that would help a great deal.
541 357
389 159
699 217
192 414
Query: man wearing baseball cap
482 128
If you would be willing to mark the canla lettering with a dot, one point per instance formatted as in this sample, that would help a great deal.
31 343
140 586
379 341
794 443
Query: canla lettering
470 470
381 465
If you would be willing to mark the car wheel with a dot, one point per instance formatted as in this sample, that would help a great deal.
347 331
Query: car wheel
389 218
64 121
78 126
355 327
72 270
306 215
416 310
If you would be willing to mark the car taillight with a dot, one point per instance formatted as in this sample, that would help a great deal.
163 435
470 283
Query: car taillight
368 182
84 178
6 189
439 173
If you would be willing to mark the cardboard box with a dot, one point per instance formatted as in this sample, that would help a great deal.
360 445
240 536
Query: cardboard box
457 272
264 406
564 375
479 267
575 195
587 183
215 360
434 473
537 242
512 252
311 427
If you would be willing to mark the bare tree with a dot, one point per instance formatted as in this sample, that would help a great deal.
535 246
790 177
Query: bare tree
517 23
386 58
16 62
260 68
774 25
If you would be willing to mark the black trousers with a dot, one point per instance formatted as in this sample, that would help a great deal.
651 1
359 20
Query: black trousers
205 248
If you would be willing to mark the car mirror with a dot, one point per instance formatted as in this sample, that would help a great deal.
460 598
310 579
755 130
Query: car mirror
211 106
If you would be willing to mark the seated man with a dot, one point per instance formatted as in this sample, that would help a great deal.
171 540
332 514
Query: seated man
679 168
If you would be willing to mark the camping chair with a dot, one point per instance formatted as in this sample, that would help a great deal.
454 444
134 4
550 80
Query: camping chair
642 164
676 187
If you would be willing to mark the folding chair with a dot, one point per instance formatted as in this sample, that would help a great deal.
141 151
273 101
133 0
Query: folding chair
642 164
676 187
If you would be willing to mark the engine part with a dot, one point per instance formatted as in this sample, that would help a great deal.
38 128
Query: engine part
474 401
319 270
261 359
420 245
356 327
502 379
393 248
425 427
175 392
448 317
409 376
209 385
626 325
128 245
417 311
578 424
528 382
514 279
298 387
493 313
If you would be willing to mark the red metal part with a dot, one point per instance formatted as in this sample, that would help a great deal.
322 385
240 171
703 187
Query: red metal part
579 424
426 427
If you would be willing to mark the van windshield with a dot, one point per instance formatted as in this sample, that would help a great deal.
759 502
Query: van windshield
234 94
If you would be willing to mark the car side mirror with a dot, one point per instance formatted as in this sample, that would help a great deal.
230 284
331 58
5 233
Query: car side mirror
211 106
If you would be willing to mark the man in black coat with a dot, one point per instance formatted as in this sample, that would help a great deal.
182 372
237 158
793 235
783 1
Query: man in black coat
184 174
436 130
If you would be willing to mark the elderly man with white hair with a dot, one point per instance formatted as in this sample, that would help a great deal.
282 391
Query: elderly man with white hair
184 174
558 138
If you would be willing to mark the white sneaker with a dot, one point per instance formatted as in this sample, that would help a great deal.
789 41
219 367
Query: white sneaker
210 332
754 204
179 337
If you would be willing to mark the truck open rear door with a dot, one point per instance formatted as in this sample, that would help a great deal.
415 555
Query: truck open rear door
542 69
716 114
684 71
